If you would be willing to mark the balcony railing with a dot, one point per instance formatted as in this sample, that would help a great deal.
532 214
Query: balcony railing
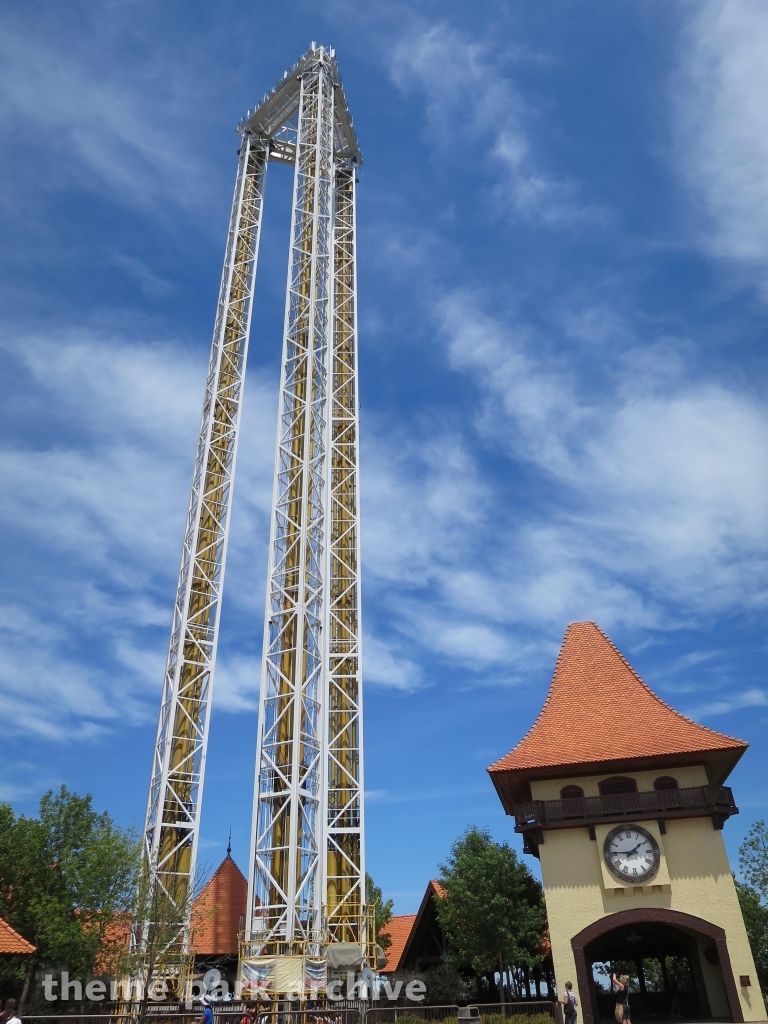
696 802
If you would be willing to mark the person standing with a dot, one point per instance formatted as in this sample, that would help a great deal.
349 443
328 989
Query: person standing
207 1015
621 992
570 1002
10 1014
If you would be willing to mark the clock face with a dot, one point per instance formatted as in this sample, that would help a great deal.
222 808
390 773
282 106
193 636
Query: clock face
631 853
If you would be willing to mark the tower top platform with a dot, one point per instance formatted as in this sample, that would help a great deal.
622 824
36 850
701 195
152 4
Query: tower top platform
599 716
281 105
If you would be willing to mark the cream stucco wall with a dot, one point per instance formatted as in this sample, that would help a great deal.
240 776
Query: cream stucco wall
696 880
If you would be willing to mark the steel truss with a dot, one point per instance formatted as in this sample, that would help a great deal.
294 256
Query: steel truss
176 786
307 875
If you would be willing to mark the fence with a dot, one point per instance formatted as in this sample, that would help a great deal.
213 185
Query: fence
328 1013
390 1014
277 1013
526 1008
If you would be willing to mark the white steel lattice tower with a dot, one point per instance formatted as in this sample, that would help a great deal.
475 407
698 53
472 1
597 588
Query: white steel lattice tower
307 874
307 877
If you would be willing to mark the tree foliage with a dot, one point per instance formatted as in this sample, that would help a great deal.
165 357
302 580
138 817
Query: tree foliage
753 896
753 859
447 985
374 895
493 911
756 921
66 877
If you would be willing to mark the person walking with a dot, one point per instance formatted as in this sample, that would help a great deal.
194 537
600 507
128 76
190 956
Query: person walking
570 1002
620 988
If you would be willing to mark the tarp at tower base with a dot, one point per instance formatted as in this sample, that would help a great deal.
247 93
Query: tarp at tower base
282 975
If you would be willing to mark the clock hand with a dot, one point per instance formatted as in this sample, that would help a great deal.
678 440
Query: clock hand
628 853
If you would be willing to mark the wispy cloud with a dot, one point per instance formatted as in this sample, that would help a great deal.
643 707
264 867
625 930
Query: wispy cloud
411 796
384 666
120 132
748 699
651 510
97 466
666 472
238 678
722 123
474 108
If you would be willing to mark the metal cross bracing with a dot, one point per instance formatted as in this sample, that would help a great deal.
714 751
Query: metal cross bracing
176 786
306 882
343 813
289 745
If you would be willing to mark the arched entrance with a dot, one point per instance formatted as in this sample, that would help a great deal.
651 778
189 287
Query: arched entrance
686 956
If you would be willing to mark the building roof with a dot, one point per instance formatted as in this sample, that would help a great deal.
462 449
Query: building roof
398 928
426 943
11 943
218 913
404 929
115 940
600 716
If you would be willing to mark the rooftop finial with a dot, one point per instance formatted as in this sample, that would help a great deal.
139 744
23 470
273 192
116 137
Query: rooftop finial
229 844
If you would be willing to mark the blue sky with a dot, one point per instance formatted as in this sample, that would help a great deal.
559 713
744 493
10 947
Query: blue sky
563 267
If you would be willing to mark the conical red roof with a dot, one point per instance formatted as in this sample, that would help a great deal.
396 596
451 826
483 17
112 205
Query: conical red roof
600 715
218 913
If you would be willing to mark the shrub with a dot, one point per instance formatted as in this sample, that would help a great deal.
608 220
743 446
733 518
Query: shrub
517 1018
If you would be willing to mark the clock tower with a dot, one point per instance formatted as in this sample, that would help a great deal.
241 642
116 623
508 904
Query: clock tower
624 800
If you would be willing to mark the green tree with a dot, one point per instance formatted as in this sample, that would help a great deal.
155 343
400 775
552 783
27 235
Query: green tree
753 896
753 859
374 895
493 913
756 922
446 985
66 879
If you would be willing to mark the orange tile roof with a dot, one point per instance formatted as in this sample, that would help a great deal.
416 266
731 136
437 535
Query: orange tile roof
600 714
218 913
115 941
11 943
404 932
399 931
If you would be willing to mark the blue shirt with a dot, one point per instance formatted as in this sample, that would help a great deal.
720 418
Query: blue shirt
208 1015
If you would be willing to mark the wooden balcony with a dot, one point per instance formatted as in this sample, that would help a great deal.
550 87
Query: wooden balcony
538 816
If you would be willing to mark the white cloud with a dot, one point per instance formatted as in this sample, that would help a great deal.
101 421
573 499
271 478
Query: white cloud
383 667
237 683
653 510
421 497
117 129
665 476
722 122
97 470
749 699
409 795
474 108
109 486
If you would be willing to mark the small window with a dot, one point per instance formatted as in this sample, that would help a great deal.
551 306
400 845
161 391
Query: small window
665 782
571 792
617 785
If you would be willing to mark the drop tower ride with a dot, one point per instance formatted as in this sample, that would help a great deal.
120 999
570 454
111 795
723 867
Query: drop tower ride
307 864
